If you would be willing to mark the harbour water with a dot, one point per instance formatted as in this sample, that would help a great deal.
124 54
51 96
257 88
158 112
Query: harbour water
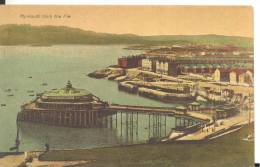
27 70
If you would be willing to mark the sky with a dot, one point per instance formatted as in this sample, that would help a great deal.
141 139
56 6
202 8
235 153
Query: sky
140 20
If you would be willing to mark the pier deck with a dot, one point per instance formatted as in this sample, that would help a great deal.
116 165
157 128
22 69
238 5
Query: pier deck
158 110
227 126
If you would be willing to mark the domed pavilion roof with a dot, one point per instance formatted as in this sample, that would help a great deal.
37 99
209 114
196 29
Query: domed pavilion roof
69 92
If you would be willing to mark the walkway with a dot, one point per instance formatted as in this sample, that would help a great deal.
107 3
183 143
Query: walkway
226 124
158 110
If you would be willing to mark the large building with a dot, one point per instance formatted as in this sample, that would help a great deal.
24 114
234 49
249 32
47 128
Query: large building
162 67
129 61
146 64
64 107
231 69
224 64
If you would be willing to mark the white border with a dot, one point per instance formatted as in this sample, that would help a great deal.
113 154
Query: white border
254 3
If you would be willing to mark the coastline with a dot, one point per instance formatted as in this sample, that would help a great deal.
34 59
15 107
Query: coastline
151 154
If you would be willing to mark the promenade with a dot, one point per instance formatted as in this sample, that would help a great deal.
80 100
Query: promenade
223 126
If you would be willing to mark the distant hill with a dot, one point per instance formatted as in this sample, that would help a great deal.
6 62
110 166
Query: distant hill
13 34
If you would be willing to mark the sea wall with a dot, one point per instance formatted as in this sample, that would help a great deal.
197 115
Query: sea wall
164 88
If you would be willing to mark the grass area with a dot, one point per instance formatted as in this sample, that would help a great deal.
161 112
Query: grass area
25 34
228 151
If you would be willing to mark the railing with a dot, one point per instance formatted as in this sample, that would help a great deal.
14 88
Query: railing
142 107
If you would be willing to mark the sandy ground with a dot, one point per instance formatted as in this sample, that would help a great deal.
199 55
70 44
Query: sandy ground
37 163
11 160
15 160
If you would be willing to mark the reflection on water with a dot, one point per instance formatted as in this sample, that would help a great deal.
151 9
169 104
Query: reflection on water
34 136
135 127
120 128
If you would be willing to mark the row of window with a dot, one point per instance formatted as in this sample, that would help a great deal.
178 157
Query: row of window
64 106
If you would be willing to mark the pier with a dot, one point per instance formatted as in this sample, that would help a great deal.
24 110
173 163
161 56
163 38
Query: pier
160 122
78 108
158 110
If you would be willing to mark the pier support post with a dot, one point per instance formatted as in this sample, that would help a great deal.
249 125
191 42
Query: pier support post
111 122
165 125
70 118
153 125
85 119
89 119
149 127
136 123
126 126
80 119
131 126
76 118
92 119
121 122
160 122
116 120
60 122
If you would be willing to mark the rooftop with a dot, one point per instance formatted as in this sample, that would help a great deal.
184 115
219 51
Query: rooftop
68 91
182 108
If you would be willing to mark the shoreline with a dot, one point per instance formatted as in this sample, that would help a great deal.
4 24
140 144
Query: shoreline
96 155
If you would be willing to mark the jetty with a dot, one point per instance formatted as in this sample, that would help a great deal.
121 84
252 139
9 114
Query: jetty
159 110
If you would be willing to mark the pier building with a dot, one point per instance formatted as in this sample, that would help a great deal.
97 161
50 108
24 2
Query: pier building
68 106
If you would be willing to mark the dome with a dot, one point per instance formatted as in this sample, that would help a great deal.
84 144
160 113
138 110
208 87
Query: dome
68 92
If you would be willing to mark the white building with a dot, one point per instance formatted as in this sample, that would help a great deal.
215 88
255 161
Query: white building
233 77
216 75
147 64
246 78
162 67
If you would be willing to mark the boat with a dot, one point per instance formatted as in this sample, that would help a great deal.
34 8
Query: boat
30 91
3 105
30 77
10 95
44 84
13 148
8 90
38 94
31 94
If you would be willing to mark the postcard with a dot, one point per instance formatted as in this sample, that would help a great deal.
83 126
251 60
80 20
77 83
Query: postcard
139 86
